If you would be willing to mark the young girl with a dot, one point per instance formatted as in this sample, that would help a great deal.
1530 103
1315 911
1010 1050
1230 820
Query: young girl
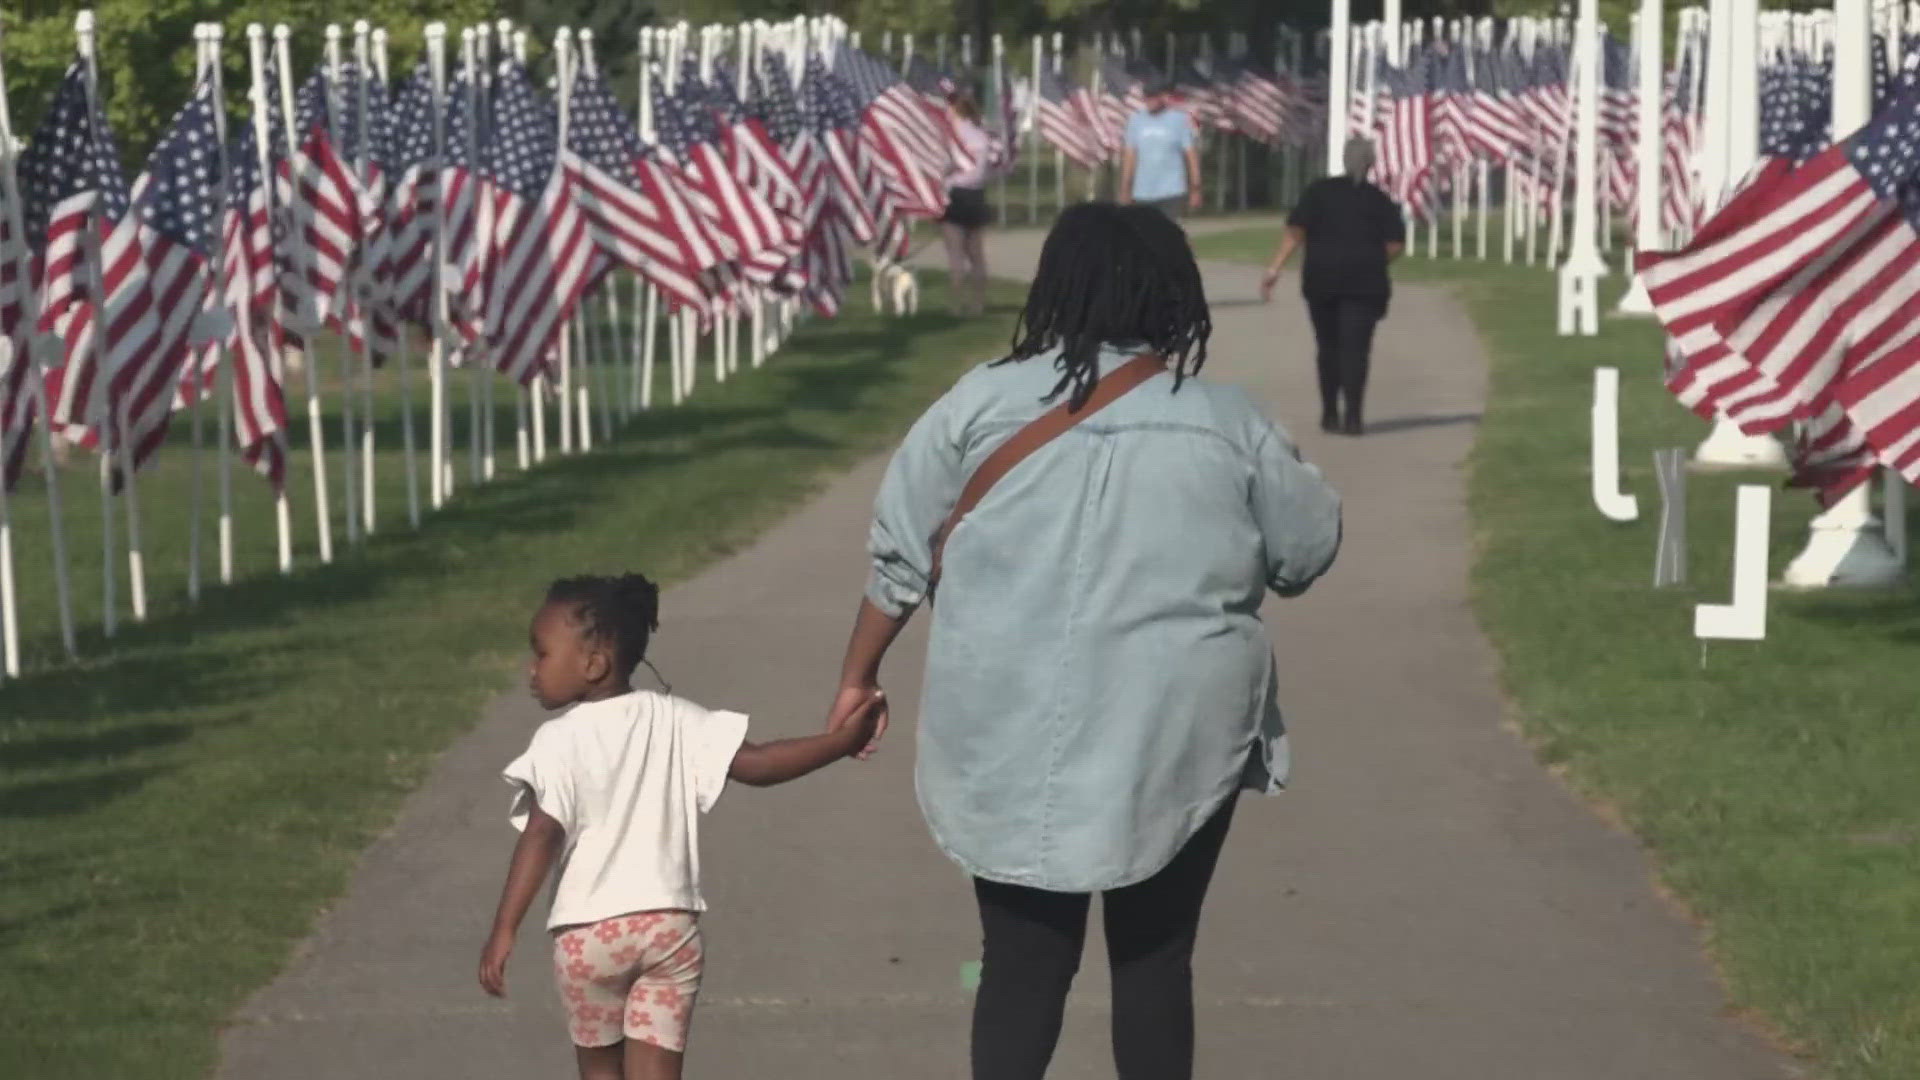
613 790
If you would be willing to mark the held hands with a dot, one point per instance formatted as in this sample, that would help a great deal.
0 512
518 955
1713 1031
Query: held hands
493 964
861 710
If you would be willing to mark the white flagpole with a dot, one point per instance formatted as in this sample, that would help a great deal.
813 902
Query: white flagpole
223 389
403 359
1338 86
36 390
349 468
1848 544
576 409
648 328
191 375
1034 145
477 54
323 515
260 105
363 59
110 419
1059 156
437 468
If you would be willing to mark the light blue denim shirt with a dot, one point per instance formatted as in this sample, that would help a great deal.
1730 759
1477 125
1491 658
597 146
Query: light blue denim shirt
1099 681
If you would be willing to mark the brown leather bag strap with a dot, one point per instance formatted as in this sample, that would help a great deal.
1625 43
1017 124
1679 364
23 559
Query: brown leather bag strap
1040 431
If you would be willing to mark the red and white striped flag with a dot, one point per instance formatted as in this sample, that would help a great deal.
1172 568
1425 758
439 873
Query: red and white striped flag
1794 303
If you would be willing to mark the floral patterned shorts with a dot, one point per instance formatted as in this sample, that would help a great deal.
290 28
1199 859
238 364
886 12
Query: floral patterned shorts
632 975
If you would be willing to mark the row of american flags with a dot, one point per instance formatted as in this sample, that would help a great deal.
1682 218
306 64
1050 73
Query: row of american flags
118 298
1086 121
474 208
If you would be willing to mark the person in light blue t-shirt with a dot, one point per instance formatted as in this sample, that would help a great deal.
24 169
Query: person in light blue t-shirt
1161 165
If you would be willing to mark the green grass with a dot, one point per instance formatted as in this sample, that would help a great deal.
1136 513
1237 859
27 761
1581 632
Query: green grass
1775 781
175 808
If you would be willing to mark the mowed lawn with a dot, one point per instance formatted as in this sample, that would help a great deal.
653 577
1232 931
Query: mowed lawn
176 807
1778 782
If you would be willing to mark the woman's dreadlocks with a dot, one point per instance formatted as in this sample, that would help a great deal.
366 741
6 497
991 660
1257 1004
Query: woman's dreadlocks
1119 275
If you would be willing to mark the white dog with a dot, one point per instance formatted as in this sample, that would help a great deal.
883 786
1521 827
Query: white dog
894 282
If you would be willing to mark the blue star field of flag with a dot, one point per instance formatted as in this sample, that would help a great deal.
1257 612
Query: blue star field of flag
182 194
524 137
72 151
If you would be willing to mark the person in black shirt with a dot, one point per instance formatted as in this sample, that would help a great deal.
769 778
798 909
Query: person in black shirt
1351 231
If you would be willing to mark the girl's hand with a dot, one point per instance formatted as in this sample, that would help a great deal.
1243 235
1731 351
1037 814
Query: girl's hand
850 707
493 964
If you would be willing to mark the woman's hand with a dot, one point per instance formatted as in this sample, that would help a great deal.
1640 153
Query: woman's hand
1195 199
849 705
493 964
1267 282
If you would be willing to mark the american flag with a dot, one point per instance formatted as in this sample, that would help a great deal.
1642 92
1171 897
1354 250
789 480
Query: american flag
1407 149
1794 302
907 138
157 274
540 256
331 212
404 264
1200 97
1796 108
1679 134
467 205
627 225
1495 127
1452 93
1003 138
1619 94
930 80
771 195
1057 111
70 175
858 192
248 291
1120 98
840 217
16 361
750 234
1260 103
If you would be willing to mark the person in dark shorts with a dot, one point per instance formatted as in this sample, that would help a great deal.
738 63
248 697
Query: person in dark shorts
1351 231
967 214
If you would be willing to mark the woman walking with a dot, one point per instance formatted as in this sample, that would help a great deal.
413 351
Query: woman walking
1351 231
1101 525
967 214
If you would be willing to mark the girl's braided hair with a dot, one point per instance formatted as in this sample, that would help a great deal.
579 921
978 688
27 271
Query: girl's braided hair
1113 274
621 612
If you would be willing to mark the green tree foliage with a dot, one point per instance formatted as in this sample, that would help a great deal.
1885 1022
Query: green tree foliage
146 51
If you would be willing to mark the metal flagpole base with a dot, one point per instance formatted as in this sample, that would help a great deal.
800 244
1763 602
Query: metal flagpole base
1636 301
1846 548
1727 447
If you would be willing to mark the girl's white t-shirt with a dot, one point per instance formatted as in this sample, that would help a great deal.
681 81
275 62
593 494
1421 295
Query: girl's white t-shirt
628 779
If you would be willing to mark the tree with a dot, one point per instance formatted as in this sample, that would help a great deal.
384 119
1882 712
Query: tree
146 51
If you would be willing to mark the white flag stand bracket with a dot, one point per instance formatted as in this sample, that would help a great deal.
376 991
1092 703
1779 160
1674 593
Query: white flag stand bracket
1607 496
1746 618
1727 447
1848 546
1580 294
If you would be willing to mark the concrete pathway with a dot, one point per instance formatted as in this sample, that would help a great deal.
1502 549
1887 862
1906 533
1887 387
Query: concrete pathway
1426 902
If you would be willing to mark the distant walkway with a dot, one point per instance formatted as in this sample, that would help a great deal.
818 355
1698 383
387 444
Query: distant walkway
1426 903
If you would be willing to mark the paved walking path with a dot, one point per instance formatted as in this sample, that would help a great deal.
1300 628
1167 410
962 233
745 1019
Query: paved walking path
1427 902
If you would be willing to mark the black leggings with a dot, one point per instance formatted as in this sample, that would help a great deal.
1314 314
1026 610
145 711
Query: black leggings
1033 945
1343 332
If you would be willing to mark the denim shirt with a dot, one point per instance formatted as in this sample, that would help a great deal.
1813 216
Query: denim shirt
1098 681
